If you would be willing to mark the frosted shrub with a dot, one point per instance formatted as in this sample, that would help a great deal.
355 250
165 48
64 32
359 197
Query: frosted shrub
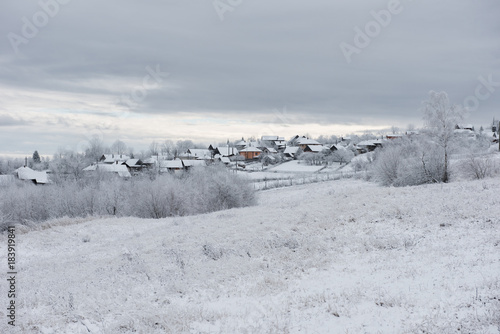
198 191
477 166
407 162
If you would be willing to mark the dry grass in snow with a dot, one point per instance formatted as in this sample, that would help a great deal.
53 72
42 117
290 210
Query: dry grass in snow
334 257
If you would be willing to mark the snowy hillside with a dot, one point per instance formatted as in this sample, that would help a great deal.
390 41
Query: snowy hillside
333 257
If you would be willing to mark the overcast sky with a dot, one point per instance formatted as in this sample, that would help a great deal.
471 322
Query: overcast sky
236 68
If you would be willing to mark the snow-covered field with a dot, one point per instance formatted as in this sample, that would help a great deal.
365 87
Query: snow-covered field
334 257
296 166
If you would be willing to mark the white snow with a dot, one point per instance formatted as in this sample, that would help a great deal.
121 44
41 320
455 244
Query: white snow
333 257
296 166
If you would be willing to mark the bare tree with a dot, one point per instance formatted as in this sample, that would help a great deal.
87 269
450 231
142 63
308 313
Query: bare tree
95 149
394 129
440 118
154 148
168 148
119 147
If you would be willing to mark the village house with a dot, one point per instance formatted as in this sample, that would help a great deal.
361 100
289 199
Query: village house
316 148
269 150
241 144
117 168
198 154
134 165
291 152
304 142
225 151
276 142
368 145
250 153
113 158
176 165
28 174
393 136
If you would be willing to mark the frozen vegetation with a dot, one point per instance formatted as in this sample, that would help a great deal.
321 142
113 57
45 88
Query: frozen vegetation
200 191
334 257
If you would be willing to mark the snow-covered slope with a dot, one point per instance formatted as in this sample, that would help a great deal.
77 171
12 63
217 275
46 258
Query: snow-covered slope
334 257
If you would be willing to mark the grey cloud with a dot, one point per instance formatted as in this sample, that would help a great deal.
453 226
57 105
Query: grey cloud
264 55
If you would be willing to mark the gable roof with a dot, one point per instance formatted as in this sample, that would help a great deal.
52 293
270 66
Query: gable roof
226 151
111 158
270 149
177 163
194 163
251 149
120 169
307 141
291 150
26 173
199 153
316 148
133 163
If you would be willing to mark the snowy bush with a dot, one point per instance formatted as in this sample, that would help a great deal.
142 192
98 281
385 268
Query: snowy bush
198 191
477 166
406 162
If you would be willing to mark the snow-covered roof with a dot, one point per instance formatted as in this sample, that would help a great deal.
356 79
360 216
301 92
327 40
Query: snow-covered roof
227 151
317 148
307 141
251 149
111 158
150 161
270 138
194 163
199 153
241 143
271 150
177 163
120 169
291 150
225 160
90 168
26 173
133 163
366 143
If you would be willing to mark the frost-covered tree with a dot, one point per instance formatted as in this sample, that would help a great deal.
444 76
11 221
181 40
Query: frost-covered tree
168 148
154 148
441 117
341 155
119 147
95 148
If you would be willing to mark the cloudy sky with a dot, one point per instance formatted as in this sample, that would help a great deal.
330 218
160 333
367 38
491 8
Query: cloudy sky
211 70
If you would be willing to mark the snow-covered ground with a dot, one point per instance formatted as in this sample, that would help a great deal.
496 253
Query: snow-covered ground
334 257
296 166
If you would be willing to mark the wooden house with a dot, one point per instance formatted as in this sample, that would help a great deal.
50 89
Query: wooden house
250 153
